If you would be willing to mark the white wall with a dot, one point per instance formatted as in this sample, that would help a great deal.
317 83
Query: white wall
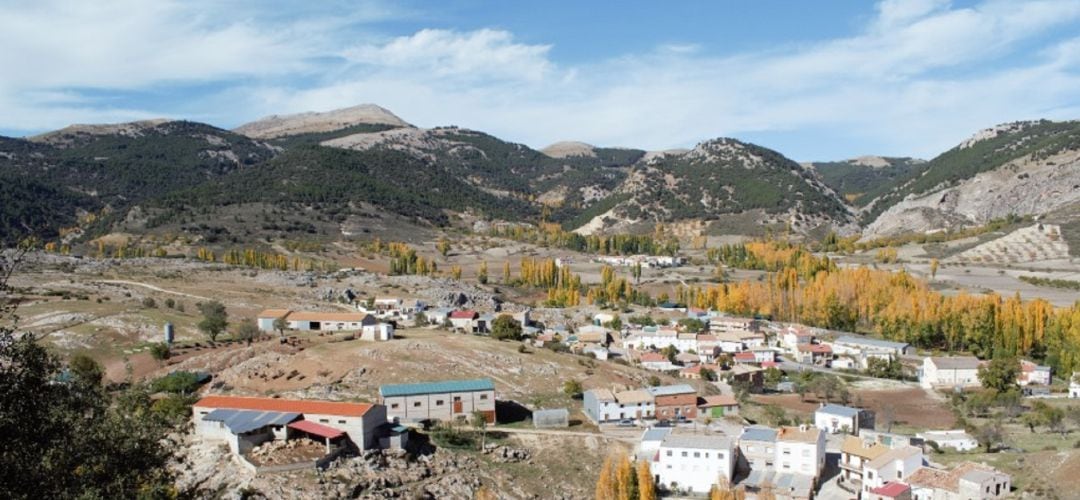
694 469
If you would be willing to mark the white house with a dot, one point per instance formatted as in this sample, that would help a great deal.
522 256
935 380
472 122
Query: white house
794 336
800 450
1074 385
966 481
603 405
958 439
836 419
763 354
956 371
246 422
854 453
1033 374
758 447
894 465
694 462
650 443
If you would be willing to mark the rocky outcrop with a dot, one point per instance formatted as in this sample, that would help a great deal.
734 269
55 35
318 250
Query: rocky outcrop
1025 186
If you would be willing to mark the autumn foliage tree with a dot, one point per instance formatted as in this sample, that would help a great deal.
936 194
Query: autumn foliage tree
621 480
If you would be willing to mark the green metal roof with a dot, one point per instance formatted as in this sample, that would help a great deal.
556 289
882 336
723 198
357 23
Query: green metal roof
443 387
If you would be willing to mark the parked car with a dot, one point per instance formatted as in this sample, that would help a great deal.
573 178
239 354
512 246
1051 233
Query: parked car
626 422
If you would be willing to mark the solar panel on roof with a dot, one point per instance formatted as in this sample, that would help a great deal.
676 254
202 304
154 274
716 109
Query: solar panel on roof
241 421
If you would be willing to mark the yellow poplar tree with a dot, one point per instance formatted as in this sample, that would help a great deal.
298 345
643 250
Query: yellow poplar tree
605 484
646 488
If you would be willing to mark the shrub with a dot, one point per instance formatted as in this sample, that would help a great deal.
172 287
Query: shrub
170 303
160 351
149 303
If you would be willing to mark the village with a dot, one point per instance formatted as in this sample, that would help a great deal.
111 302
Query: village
693 438
344 382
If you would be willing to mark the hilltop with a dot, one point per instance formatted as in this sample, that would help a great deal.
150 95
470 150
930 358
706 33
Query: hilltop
275 126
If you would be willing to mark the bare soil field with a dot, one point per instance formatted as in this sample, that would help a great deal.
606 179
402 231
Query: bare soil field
910 406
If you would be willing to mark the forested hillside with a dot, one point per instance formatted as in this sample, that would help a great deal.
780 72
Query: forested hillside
861 180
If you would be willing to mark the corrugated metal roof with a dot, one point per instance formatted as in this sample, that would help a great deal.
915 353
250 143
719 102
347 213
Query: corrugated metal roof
443 387
871 342
842 411
699 442
656 434
317 429
240 421
671 390
764 434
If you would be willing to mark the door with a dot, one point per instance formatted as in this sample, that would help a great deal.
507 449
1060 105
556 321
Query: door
457 405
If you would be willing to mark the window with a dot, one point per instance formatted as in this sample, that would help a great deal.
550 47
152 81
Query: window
483 397
202 413
324 420
720 456
901 476
684 453
341 421
438 402
457 398
697 454
394 406
869 474
669 453
416 404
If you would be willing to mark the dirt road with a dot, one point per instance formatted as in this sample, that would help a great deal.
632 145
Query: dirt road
154 288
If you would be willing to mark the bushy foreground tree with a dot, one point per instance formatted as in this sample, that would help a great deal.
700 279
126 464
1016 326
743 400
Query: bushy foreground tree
62 435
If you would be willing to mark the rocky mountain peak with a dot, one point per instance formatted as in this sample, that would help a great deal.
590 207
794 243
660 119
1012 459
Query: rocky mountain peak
274 126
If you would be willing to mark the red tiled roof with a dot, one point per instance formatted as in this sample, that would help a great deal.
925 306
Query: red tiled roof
692 369
316 429
819 348
326 316
285 405
744 356
463 314
652 357
891 489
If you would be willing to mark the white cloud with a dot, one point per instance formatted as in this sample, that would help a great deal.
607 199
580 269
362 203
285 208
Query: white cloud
476 55
920 76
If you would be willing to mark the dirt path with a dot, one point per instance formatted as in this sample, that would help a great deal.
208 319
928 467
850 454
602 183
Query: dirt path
552 432
154 288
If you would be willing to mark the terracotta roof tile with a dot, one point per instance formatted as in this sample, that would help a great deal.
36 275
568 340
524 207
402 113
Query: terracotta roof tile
285 405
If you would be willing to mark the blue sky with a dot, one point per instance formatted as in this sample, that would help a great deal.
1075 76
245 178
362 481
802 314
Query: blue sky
813 80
